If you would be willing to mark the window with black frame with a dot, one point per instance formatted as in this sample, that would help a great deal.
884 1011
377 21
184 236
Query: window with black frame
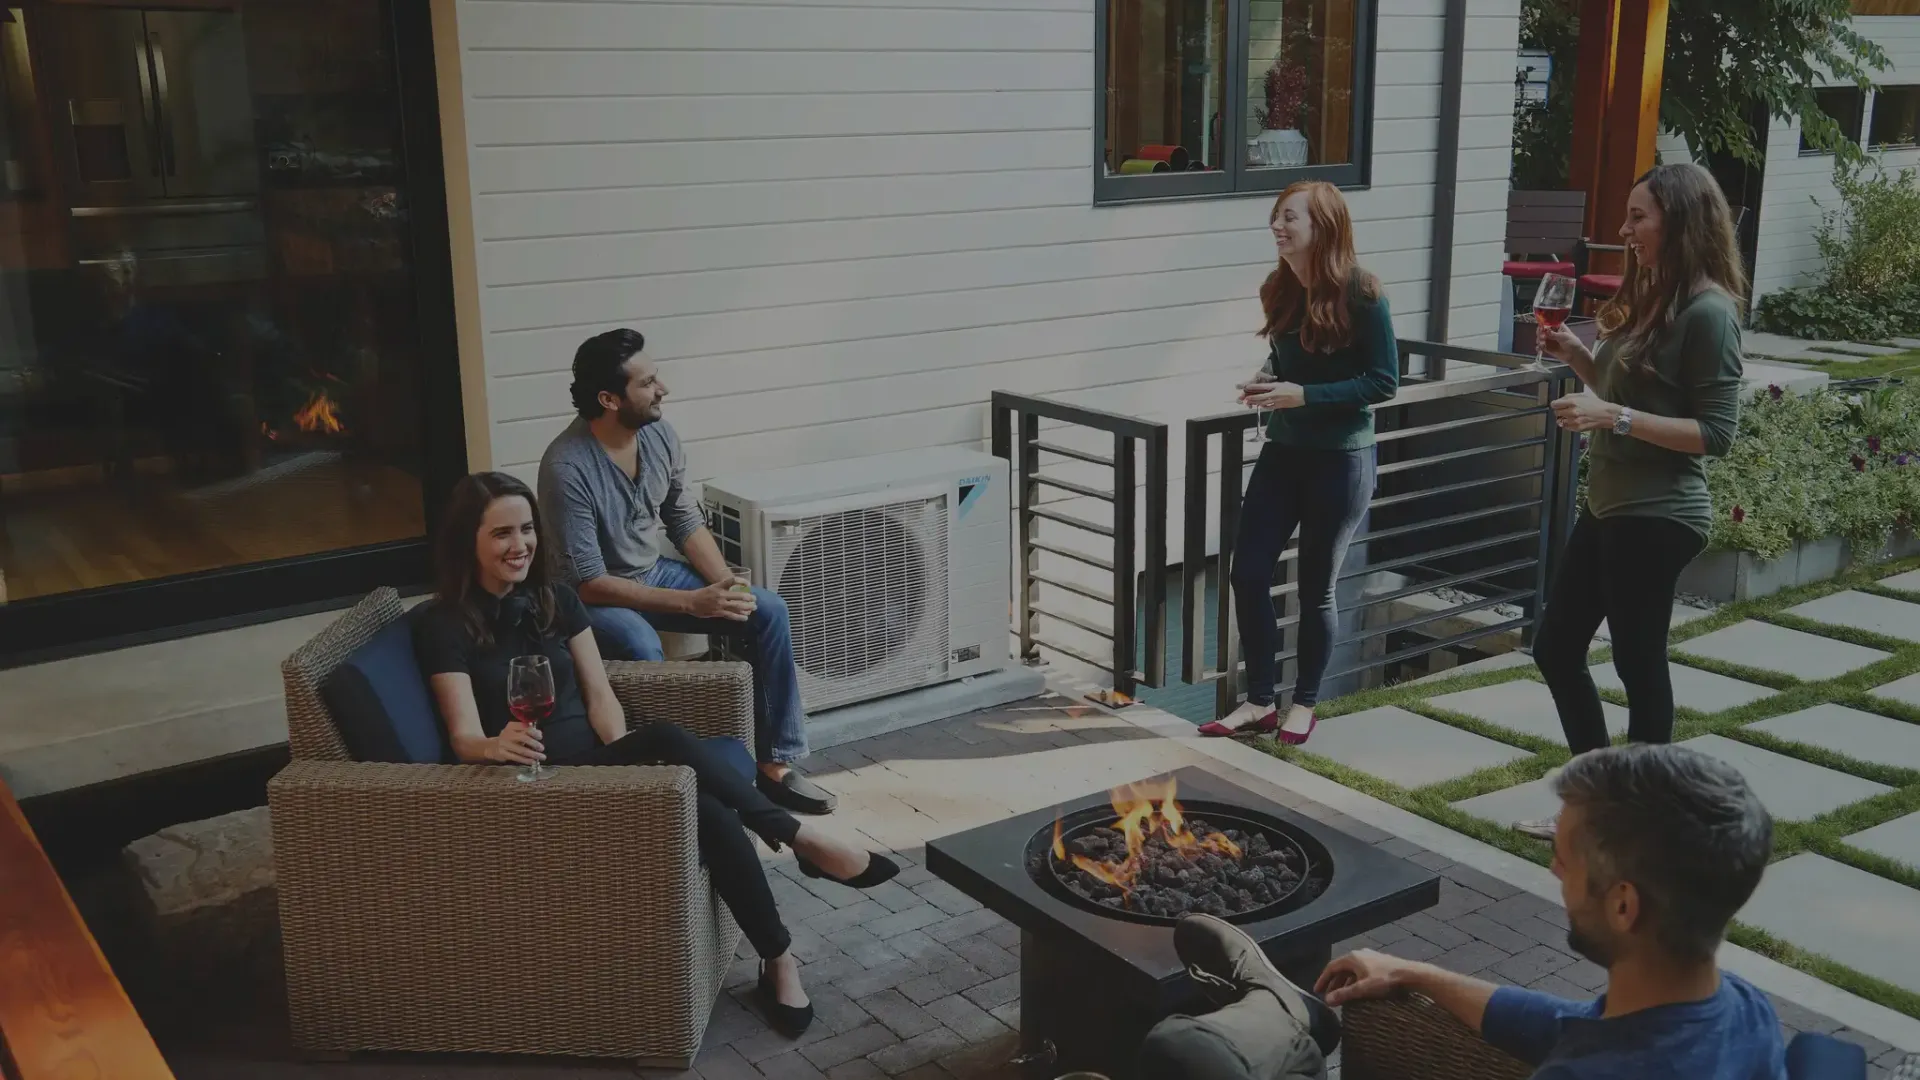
1896 117
1221 97
1845 106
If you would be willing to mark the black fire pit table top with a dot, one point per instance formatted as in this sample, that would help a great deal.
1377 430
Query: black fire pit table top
1369 887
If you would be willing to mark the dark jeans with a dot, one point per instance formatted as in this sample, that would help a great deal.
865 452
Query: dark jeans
1623 570
1323 493
727 801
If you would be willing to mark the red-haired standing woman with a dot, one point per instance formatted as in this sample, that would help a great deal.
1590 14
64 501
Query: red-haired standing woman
1333 357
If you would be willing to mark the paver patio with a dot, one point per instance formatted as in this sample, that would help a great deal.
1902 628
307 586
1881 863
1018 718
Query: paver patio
1766 647
1693 688
916 980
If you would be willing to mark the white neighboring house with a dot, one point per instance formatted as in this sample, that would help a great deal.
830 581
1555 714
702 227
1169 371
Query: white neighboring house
1798 185
842 224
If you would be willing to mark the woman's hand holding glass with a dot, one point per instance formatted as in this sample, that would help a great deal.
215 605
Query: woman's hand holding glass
1273 395
517 744
1561 344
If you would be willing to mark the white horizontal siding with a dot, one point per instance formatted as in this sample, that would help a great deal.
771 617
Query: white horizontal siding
1797 189
841 225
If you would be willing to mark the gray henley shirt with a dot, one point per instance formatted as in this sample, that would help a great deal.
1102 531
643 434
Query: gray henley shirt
600 522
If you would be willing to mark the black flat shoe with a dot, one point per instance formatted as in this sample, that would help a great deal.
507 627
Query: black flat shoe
791 1021
796 793
879 869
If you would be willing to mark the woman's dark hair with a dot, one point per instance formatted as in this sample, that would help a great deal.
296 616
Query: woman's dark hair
456 569
1699 245
599 365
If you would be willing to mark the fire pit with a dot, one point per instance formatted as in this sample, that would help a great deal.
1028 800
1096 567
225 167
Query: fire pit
1096 885
1159 859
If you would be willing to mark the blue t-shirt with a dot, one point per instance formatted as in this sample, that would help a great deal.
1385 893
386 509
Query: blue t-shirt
1733 1035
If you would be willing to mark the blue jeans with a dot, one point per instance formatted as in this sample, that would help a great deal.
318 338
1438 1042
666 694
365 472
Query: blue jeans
1324 494
779 724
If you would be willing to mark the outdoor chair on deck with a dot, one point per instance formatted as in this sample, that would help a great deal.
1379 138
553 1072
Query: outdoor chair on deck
450 908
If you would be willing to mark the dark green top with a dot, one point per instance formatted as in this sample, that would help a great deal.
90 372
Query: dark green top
1697 368
1341 386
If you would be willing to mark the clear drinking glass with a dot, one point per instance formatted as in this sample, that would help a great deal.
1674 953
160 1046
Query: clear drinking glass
1551 305
530 699
741 574
1259 432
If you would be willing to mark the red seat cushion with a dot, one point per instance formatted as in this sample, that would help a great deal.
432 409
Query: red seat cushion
1536 269
1599 285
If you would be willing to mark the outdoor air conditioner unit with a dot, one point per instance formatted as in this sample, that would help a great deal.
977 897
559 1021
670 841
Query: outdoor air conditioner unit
894 568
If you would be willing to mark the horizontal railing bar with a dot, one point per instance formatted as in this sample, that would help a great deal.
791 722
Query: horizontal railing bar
1392 657
1397 531
1131 426
1459 609
1068 485
1087 591
1443 426
1415 495
1094 561
1449 552
1073 620
1459 455
1070 521
1070 452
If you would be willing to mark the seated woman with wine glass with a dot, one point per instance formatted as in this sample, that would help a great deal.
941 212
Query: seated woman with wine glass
518 680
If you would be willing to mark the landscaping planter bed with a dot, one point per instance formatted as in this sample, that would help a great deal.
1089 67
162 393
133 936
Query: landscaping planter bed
1729 576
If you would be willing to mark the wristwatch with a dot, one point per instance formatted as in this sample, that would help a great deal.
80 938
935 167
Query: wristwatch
1623 424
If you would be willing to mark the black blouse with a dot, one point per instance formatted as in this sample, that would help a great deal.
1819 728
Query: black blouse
443 645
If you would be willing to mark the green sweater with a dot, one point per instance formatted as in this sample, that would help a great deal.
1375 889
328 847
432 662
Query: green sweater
1341 386
1697 369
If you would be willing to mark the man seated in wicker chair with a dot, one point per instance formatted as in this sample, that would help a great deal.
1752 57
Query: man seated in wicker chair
1658 846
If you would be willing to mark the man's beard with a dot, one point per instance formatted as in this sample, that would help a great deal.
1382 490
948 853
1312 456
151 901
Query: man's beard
1593 949
634 419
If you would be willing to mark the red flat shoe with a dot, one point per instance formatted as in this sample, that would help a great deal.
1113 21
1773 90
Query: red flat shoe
1299 738
1260 724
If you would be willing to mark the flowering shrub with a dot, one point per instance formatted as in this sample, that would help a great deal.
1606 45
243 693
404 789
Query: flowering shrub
1824 464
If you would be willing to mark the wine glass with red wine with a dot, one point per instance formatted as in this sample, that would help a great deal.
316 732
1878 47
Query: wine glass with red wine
1551 305
530 699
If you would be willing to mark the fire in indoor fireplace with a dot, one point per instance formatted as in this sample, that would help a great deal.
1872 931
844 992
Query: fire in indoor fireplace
1154 860
319 415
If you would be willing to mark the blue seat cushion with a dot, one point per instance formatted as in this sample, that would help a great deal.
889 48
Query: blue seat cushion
380 703
1811 1056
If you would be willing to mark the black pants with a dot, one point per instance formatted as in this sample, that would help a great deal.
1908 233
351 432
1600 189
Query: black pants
1623 570
1323 493
729 804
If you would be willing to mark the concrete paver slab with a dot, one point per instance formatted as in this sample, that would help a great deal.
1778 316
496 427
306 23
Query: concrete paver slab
1908 582
1906 691
1406 748
1862 920
1522 705
1862 735
1526 802
1790 789
1896 839
1776 648
1701 691
1864 611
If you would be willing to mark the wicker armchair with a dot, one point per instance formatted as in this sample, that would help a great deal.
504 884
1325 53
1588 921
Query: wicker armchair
1411 1038
451 908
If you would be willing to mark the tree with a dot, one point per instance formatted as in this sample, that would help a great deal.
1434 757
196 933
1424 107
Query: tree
1728 62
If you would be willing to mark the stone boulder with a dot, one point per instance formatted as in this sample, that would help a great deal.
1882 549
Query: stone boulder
207 917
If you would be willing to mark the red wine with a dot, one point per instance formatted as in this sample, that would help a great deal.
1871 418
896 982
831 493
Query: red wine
531 713
1550 316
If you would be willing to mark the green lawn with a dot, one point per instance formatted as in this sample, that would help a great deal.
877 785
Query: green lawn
1822 835
1842 367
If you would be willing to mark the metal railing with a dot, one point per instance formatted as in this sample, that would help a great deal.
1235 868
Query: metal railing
1016 437
1476 494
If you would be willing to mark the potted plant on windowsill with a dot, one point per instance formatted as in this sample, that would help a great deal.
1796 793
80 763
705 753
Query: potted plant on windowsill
1280 141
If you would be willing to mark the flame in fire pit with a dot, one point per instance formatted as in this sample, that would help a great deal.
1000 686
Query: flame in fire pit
319 415
1145 810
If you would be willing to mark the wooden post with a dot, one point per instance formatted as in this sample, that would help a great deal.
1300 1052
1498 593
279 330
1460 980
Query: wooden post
1592 89
1616 111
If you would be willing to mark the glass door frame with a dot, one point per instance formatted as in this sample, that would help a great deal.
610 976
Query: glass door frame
96 620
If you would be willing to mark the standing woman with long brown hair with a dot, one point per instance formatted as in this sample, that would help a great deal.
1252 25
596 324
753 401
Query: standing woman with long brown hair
1332 357
1663 395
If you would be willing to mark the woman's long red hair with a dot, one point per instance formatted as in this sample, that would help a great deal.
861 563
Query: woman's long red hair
1322 309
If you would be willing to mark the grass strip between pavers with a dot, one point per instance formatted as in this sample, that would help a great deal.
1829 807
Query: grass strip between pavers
1824 835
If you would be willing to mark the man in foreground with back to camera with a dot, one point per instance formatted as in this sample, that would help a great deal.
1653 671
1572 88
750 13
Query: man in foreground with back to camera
1657 848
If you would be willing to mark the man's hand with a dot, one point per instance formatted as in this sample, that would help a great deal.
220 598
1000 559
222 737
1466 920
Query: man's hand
1363 975
721 601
